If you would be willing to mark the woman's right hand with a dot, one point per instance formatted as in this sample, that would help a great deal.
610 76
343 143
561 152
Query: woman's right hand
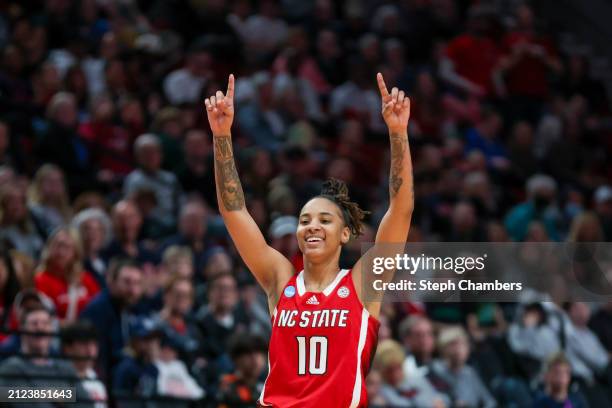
220 110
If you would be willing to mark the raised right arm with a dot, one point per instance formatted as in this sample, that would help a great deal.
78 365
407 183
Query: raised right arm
271 269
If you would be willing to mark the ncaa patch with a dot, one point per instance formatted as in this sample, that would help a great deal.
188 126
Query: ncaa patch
343 292
289 291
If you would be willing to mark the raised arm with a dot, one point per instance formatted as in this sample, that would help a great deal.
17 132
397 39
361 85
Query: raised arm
269 266
396 112
394 226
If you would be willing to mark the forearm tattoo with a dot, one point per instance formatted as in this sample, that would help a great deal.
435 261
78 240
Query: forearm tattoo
226 175
398 147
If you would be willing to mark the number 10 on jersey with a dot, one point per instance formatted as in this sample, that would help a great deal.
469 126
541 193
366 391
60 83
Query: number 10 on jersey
314 351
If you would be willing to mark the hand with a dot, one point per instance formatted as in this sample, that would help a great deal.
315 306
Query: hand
395 107
220 110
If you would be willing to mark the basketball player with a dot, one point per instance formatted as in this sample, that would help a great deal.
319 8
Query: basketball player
323 333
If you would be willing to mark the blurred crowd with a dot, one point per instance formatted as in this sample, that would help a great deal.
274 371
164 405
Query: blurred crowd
112 245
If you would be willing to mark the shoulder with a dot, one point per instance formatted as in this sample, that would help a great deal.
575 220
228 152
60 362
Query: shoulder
12 364
167 176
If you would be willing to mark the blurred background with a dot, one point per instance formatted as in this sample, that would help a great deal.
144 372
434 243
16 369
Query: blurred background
112 245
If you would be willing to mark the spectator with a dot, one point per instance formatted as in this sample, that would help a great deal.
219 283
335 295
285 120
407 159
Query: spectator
217 261
556 392
184 85
465 226
61 144
110 310
80 344
127 222
20 227
471 57
263 32
176 315
586 227
535 334
61 276
527 55
601 324
540 205
486 138
112 144
589 357
282 234
178 262
452 375
48 198
192 232
9 287
219 319
417 335
399 389
259 118
196 174
174 379
603 208
137 374
243 386
36 366
150 177
94 228
168 126
374 386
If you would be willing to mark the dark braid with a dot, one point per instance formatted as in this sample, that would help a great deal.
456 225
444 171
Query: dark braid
337 191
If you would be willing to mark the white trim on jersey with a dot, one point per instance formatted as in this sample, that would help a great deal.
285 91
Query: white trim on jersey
263 389
328 290
301 287
363 332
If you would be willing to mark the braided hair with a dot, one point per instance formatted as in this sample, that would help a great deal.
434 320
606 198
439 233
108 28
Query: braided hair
337 192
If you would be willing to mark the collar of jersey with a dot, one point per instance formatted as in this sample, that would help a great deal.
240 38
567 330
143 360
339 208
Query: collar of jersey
301 287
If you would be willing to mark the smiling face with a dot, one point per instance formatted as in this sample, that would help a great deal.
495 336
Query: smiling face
321 230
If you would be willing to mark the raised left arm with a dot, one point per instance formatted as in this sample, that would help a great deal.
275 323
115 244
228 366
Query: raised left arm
393 228
396 112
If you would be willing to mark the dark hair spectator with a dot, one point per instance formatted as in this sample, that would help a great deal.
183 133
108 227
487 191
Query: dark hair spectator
80 345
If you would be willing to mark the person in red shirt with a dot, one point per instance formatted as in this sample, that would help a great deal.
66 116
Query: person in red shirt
471 58
61 275
528 59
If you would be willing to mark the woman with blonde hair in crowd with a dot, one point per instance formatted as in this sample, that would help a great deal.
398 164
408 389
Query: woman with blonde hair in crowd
48 197
586 227
61 275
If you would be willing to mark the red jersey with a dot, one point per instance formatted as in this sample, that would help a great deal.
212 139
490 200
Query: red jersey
68 303
321 347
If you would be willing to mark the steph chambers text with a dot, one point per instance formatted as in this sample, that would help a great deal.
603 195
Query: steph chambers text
447 285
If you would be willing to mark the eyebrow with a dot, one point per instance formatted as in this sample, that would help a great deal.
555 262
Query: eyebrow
321 213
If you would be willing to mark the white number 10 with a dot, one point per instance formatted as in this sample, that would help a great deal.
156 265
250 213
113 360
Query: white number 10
317 361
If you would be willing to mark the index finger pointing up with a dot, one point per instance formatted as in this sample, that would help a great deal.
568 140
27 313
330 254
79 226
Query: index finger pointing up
382 87
230 87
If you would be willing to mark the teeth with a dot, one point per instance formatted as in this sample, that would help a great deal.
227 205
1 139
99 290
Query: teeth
313 239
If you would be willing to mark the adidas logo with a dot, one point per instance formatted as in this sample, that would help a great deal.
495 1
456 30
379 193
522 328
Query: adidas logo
312 300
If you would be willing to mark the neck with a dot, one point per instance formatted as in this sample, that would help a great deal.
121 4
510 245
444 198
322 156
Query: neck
454 366
558 394
247 379
171 317
81 370
317 276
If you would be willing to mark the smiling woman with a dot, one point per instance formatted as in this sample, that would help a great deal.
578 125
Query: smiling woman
323 331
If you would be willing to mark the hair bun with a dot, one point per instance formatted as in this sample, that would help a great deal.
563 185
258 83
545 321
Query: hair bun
335 188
